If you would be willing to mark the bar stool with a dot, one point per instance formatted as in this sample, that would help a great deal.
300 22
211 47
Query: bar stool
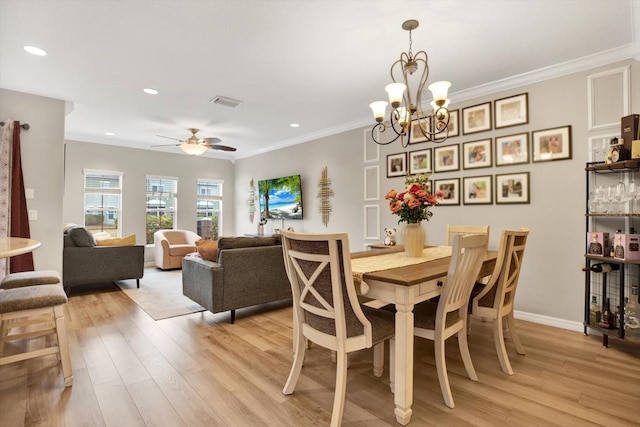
41 308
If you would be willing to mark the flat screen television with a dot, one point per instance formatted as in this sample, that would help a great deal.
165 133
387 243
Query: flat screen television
281 198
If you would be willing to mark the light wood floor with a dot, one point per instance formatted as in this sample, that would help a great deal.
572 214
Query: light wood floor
198 370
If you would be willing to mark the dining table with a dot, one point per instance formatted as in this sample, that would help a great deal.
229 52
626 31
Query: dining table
392 277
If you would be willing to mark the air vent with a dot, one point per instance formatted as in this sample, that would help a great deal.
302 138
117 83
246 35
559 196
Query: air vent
227 102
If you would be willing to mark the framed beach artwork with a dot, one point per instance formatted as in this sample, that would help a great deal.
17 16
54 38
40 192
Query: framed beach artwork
512 149
477 190
396 165
551 144
420 161
476 118
450 189
512 188
446 158
511 111
476 154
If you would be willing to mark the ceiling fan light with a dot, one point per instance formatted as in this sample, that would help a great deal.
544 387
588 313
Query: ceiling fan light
193 149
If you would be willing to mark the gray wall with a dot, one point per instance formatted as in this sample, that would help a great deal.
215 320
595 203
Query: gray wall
42 164
136 165
552 283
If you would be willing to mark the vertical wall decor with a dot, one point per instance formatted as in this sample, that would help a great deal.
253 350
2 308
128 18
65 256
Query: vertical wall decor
251 200
324 192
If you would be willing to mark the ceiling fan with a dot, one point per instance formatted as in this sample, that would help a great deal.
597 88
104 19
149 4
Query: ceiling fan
196 146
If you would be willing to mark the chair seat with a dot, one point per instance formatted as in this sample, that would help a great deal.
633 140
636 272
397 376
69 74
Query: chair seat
30 297
382 325
30 278
181 249
425 316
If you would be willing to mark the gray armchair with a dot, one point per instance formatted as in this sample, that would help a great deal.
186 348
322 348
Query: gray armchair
84 263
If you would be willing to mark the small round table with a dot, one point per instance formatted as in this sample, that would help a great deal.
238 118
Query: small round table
12 246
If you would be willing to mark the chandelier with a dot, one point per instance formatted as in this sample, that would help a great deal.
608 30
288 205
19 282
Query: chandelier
407 118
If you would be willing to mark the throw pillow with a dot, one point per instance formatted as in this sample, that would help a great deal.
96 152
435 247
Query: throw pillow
122 241
101 236
81 237
208 249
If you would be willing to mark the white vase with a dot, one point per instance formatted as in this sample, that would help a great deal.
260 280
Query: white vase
413 239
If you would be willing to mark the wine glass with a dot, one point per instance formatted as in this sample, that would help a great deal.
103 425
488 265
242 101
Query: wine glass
632 194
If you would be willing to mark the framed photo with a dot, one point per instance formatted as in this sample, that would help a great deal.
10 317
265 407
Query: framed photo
396 165
511 111
512 149
454 123
416 132
551 144
476 154
476 118
512 188
420 161
450 189
477 190
446 158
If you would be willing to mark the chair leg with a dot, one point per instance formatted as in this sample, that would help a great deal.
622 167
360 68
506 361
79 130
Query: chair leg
378 359
63 345
441 368
466 356
501 349
298 359
341 389
511 322
392 364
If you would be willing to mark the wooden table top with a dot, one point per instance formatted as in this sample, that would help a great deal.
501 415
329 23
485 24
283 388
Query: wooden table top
12 246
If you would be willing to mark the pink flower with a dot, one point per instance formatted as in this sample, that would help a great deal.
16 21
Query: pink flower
421 193
413 203
439 194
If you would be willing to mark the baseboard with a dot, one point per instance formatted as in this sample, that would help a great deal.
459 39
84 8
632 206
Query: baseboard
549 321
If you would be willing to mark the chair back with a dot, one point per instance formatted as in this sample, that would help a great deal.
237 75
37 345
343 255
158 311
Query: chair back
324 296
465 230
500 292
467 256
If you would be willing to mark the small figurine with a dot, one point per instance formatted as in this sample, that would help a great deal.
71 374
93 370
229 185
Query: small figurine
390 236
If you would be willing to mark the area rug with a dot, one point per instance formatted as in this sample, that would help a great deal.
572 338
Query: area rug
160 294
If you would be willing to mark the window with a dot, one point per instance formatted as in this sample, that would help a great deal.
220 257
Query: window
102 196
162 198
209 208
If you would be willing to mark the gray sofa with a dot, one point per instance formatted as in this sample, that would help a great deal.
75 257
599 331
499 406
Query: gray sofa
85 263
248 271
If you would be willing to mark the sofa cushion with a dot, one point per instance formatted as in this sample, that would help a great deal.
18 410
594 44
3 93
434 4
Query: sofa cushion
246 242
81 237
208 249
180 250
122 241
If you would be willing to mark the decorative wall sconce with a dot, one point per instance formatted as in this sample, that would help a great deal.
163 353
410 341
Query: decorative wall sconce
251 200
324 192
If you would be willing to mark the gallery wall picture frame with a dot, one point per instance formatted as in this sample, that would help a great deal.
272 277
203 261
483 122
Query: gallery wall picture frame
476 118
512 149
450 189
446 158
420 161
511 111
476 154
454 123
396 165
512 188
551 144
417 135
477 190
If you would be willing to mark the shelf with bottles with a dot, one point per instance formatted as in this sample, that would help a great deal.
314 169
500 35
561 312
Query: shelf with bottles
602 167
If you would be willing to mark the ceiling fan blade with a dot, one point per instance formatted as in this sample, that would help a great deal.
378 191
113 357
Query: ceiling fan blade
166 145
168 137
211 140
220 147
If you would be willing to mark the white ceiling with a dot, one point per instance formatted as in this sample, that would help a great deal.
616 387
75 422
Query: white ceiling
316 63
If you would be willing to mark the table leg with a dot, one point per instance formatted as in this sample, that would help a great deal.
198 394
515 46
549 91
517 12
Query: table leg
403 397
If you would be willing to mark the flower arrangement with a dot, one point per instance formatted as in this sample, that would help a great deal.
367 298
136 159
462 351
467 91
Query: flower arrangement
414 204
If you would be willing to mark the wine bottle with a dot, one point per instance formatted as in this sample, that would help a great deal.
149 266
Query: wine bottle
604 267
607 320
594 311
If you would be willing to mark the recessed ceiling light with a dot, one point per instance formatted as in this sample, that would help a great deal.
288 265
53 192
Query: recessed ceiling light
150 91
110 134
294 125
34 50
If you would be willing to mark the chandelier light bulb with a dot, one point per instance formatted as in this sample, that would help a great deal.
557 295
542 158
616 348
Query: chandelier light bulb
439 91
395 91
403 117
193 149
379 109
445 105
